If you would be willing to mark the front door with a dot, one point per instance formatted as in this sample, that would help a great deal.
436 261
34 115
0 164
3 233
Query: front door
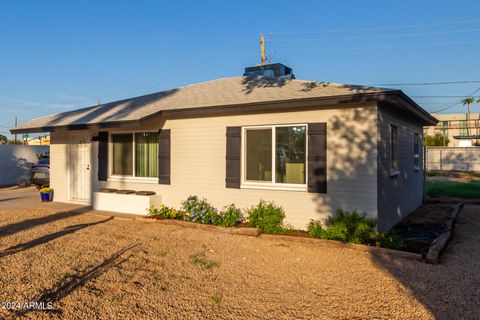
79 169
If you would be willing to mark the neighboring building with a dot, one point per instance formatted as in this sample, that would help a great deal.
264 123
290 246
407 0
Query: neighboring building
38 141
455 126
311 147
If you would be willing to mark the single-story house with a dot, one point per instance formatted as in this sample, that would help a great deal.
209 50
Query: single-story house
311 147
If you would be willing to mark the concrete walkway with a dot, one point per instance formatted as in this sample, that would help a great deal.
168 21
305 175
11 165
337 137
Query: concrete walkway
29 197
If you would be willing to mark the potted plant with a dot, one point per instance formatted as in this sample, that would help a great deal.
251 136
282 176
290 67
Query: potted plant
46 194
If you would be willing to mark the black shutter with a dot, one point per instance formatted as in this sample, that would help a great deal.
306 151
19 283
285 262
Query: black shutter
234 141
317 157
102 156
164 156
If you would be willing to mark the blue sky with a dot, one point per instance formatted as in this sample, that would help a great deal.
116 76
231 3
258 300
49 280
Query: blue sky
62 55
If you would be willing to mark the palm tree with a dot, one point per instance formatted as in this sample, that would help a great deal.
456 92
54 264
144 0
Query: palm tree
468 101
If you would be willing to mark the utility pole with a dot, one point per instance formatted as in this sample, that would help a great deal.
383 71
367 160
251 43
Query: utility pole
262 48
15 127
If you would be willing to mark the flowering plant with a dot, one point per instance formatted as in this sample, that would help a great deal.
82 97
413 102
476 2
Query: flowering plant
201 211
167 213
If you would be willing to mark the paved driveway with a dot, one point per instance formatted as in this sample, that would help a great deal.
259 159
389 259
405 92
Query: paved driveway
28 197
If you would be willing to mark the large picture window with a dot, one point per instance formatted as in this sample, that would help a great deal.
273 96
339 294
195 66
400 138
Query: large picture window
275 155
135 154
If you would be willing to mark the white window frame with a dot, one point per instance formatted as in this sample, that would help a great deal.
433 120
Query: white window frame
271 185
416 155
127 178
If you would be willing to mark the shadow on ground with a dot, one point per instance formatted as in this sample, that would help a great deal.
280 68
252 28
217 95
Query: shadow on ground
49 237
451 289
71 282
14 228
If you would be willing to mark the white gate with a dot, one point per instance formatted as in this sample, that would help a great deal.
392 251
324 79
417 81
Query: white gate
79 169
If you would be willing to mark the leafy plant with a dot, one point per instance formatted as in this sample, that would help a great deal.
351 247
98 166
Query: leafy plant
267 217
433 173
437 140
389 240
216 298
46 190
344 226
201 211
230 216
315 229
355 228
167 213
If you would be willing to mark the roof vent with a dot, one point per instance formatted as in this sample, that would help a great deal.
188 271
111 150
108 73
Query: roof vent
270 71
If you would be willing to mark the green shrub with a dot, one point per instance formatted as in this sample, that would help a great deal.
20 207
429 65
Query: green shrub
167 213
389 240
315 229
267 217
230 216
433 173
201 211
344 226
354 228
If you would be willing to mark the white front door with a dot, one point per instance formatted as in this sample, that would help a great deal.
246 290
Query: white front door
79 168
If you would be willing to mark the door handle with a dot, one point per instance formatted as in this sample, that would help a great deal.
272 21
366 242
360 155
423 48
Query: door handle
88 167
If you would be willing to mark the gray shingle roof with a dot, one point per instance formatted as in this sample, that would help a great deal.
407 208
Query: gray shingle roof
220 92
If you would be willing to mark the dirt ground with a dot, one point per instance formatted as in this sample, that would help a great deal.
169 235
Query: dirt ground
454 176
94 267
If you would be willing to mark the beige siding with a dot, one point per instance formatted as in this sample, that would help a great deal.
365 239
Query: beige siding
198 163
58 166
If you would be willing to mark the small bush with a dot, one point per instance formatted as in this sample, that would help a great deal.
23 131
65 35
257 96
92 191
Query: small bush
167 213
433 173
354 228
389 240
230 216
267 217
201 211
46 190
344 226
315 229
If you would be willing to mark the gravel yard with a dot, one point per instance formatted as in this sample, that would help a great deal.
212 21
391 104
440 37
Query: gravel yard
95 267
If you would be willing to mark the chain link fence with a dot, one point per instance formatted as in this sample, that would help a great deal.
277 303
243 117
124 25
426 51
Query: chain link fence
453 164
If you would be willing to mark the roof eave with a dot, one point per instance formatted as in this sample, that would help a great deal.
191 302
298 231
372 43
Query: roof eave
278 105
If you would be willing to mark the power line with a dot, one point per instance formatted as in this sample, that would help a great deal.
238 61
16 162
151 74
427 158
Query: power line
457 103
382 28
426 83
434 44
382 36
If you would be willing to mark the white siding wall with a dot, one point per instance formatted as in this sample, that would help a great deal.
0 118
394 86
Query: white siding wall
198 163
58 165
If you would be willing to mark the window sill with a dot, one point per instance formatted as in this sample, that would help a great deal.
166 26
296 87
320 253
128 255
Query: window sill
394 173
416 169
265 186
133 179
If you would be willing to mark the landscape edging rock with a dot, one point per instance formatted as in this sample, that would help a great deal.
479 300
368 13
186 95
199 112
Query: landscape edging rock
439 244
